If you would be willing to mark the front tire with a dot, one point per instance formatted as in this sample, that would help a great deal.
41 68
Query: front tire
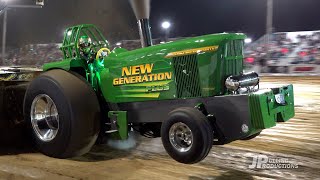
187 135
63 114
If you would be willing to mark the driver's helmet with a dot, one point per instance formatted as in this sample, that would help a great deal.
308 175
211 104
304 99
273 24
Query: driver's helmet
85 44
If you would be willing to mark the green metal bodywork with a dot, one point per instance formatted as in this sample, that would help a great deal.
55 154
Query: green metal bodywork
201 73
212 66
122 124
265 112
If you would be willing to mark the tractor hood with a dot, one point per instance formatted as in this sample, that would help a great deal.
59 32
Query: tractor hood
192 67
184 44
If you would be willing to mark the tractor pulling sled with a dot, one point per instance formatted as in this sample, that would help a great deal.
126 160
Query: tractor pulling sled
192 93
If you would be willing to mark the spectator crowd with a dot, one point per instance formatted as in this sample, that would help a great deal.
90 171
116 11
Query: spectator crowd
34 54
284 48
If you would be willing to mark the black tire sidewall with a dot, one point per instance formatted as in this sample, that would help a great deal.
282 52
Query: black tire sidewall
78 110
60 142
198 124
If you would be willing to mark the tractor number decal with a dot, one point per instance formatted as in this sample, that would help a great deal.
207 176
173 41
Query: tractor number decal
140 74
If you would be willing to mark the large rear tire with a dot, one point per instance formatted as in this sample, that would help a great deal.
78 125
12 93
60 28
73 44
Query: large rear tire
187 135
63 114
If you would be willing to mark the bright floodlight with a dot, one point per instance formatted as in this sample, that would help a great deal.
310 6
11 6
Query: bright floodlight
118 44
248 40
40 2
166 25
69 33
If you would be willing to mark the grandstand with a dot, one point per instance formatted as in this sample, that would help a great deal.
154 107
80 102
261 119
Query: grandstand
34 54
284 51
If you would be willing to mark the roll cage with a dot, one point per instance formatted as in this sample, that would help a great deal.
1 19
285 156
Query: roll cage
70 47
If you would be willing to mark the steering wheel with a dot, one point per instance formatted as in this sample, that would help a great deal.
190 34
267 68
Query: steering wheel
103 52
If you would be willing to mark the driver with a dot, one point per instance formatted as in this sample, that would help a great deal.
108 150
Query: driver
85 47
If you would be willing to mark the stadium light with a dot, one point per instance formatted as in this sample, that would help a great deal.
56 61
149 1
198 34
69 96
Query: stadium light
248 40
269 24
166 25
118 43
69 33
40 2
8 6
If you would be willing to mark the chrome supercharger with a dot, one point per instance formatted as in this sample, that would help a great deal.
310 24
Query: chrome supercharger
243 82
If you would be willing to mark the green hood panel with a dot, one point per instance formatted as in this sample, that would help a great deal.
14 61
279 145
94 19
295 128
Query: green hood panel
188 43
120 87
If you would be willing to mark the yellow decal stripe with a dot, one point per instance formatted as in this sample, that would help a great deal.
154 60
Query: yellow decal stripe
10 77
157 83
149 95
134 90
192 51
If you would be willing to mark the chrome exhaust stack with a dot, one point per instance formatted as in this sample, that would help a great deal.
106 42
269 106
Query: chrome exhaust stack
141 9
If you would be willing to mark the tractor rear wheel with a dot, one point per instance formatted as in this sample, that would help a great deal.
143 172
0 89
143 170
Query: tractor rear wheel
187 135
63 112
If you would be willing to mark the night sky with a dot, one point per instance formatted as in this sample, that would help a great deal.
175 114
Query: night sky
189 18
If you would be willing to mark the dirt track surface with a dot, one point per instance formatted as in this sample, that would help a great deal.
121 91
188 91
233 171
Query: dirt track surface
297 140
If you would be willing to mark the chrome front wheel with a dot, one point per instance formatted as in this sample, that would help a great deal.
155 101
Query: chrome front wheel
187 135
180 136
44 117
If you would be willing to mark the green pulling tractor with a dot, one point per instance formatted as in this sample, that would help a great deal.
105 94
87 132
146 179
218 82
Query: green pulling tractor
192 93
